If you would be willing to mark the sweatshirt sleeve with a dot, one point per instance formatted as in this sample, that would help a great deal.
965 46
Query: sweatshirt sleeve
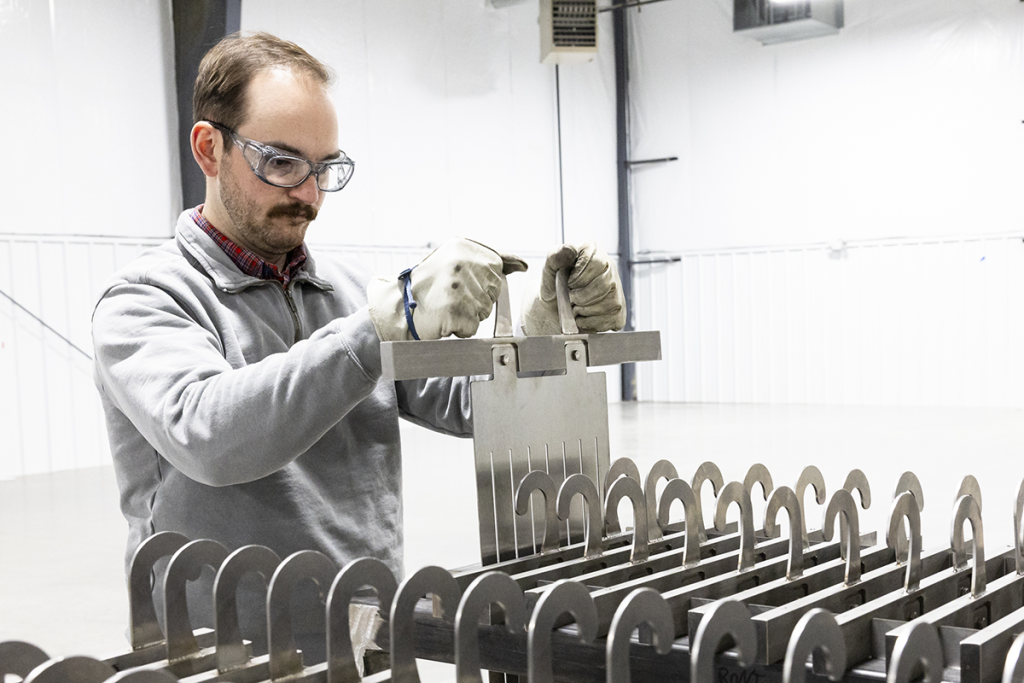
222 422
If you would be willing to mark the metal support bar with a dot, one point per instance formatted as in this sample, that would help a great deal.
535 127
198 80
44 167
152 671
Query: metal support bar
625 217
198 26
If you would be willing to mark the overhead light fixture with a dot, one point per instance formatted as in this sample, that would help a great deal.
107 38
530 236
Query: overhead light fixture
777 21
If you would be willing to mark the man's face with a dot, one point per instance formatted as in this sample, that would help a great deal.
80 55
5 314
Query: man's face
295 115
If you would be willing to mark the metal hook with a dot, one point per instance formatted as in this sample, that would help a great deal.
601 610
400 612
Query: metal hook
539 480
810 476
145 629
906 506
624 487
71 670
663 469
785 498
1013 670
306 564
726 617
622 467
580 484
677 489
365 571
967 509
427 581
919 644
735 493
18 658
857 481
842 503
642 606
707 471
1018 529
185 565
251 558
486 590
759 474
908 481
564 597
970 487
816 630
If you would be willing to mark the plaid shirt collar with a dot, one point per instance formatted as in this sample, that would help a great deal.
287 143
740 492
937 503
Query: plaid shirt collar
248 262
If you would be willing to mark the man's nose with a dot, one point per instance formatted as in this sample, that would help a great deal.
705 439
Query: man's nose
307 191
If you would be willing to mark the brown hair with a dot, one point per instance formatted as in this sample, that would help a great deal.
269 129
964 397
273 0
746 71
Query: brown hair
230 65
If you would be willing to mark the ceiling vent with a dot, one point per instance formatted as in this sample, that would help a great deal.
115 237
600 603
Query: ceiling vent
568 31
778 21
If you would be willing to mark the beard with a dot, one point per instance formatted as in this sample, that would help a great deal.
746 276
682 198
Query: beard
272 232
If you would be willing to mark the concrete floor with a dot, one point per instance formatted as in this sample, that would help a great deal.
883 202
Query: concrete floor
62 536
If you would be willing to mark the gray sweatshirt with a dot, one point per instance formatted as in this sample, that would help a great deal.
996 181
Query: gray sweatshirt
244 412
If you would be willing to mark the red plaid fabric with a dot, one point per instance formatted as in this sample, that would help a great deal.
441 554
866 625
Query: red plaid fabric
248 262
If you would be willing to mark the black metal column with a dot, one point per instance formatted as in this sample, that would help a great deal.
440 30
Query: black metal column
622 161
198 25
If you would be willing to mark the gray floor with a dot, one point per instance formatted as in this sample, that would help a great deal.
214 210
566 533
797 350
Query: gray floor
61 535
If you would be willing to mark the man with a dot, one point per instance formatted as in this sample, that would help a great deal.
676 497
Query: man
240 376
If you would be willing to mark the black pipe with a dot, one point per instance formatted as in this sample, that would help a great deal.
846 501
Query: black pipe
622 164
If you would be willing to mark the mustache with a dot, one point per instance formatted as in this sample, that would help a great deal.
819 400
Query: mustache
293 211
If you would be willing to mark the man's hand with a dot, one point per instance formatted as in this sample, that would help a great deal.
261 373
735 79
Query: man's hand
454 288
594 290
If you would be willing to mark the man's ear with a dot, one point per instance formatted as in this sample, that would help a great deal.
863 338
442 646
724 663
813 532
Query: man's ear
207 148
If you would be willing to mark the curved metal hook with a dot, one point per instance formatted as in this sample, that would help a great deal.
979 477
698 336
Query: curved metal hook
427 581
706 472
906 506
305 564
849 544
564 597
486 590
642 606
539 480
726 617
18 658
1013 669
920 644
185 565
71 670
816 630
365 571
735 493
145 629
580 484
970 487
624 487
759 474
785 498
908 481
622 467
1018 529
967 509
857 481
810 476
231 651
663 469
677 489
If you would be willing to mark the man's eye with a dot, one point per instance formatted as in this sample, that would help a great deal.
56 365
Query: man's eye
281 164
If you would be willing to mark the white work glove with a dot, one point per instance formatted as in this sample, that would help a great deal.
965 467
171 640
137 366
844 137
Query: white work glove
454 289
594 290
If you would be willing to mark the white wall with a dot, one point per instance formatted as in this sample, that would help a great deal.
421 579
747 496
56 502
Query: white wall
906 123
846 208
451 120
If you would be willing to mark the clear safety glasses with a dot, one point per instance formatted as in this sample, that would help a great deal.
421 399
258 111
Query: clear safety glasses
282 169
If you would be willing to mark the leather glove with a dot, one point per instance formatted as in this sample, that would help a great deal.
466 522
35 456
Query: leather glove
594 290
454 288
